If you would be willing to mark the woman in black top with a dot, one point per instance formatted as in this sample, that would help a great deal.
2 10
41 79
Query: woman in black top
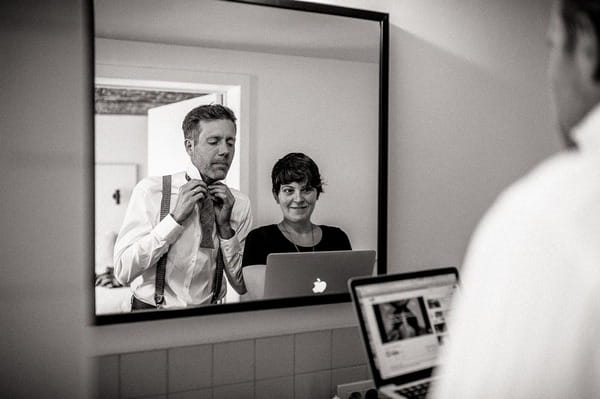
297 186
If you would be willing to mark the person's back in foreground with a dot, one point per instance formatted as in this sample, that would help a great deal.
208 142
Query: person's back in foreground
527 322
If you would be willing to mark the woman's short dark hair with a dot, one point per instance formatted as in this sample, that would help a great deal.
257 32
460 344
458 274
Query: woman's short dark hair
299 168
571 12
212 112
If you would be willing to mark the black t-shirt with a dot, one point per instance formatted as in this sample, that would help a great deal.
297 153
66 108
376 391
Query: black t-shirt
266 240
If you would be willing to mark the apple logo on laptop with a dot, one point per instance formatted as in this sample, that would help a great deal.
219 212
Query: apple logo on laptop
319 286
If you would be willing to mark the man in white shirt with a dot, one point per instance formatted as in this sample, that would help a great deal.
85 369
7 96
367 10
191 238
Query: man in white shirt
193 271
527 321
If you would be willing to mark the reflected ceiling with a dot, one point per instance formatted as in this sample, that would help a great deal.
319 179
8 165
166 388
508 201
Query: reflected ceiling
234 26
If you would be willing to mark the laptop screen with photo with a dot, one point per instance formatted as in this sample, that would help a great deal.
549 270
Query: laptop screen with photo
403 319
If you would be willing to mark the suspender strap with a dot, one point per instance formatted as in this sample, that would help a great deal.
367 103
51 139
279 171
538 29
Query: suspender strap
161 266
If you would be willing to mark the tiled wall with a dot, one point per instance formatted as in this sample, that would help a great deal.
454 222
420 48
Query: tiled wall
305 365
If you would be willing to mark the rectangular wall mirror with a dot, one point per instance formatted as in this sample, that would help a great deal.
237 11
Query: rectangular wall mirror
300 77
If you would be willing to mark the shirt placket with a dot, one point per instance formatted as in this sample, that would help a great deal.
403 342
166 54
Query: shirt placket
193 262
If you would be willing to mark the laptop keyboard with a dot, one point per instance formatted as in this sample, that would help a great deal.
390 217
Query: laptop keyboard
415 391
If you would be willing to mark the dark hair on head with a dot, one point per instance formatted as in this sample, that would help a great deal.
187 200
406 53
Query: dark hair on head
296 167
571 12
212 112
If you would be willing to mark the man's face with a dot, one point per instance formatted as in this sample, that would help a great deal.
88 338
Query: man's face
569 76
213 150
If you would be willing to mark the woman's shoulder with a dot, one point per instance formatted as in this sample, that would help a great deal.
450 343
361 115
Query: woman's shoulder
333 232
335 238
331 229
266 230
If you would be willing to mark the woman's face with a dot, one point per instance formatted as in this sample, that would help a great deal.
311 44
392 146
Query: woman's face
297 201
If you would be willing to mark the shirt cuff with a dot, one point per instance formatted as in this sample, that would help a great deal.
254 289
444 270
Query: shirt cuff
230 246
168 229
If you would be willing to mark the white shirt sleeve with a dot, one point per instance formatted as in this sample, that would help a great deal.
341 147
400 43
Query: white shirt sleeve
142 241
233 249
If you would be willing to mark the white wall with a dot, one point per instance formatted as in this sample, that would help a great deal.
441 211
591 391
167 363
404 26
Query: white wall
323 107
45 122
469 113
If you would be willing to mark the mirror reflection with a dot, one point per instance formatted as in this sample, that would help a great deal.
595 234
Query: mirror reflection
270 142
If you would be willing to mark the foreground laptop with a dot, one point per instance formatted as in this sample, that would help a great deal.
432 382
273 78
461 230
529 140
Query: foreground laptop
315 273
402 319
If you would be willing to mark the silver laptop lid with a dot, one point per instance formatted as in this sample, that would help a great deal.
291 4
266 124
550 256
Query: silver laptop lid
402 319
315 273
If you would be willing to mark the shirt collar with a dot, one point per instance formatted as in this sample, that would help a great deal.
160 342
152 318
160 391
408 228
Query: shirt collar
192 171
587 132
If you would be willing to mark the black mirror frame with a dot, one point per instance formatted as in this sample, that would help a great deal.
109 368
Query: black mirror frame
382 189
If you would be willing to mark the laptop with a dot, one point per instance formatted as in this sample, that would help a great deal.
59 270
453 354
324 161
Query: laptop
402 320
315 273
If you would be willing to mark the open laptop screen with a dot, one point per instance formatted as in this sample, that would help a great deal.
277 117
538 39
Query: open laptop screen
315 273
405 320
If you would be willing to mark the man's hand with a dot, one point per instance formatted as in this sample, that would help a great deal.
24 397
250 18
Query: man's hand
223 203
189 194
107 279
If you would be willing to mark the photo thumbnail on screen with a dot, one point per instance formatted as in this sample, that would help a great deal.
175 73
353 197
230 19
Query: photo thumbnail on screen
402 319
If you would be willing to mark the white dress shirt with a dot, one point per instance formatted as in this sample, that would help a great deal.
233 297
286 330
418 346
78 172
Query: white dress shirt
527 321
190 270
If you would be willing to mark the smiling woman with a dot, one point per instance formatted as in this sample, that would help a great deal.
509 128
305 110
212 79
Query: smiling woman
297 187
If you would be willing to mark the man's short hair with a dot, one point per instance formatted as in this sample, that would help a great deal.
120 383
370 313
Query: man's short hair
212 112
571 12
296 167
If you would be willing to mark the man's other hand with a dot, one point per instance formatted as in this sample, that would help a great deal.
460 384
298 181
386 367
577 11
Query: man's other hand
189 194
223 202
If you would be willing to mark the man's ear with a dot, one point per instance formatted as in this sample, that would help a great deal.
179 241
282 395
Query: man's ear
189 146
586 49
276 197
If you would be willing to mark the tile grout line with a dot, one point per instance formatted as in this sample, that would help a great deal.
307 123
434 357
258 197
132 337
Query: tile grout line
331 350
294 366
168 377
331 362
120 394
212 370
